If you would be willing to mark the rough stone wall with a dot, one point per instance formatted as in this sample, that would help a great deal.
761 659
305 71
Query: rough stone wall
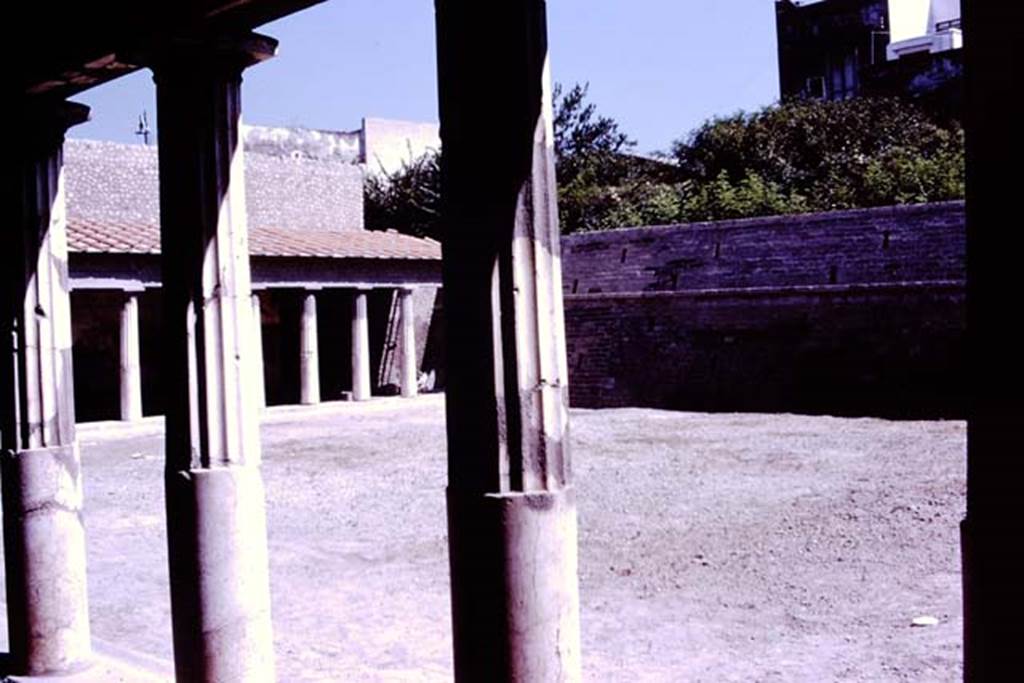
858 312
111 181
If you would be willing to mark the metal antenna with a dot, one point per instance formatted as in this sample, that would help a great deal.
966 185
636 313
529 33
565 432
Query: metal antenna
143 128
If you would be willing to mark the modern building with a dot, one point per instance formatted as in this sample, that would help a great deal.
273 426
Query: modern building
338 305
835 49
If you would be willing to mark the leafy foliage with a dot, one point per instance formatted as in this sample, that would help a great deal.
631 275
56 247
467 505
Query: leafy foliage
407 200
794 157
601 184
819 156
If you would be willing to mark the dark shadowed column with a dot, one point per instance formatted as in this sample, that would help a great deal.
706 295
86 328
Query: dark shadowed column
44 541
220 596
993 552
511 509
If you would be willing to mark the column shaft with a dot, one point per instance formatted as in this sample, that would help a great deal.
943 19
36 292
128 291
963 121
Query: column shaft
44 541
257 336
309 354
993 563
220 598
131 367
511 510
409 364
360 347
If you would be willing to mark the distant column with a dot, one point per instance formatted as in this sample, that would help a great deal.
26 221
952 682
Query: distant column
131 369
44 540
257 336
360 347
409 365
309 361
511 503
216 519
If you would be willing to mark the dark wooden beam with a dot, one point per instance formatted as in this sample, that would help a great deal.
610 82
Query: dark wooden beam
64 48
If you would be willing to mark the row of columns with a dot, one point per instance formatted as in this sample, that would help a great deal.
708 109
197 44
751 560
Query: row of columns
309 354
511 509
309 375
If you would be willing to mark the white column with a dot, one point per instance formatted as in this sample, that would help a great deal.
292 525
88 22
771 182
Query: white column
360 347
220 592
309 354
409 364
257 336
44 541
511 506
131 367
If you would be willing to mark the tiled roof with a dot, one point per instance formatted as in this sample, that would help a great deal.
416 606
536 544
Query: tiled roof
87 235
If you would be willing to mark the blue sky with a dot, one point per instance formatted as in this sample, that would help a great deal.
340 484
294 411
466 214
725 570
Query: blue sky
659 67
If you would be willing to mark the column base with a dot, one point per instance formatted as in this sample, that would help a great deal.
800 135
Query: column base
220 585
992 566
515 595
44 539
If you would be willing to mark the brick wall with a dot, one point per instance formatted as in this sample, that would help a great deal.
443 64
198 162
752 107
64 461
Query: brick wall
892 244
856 312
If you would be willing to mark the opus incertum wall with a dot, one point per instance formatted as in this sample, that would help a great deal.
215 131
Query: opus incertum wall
851 312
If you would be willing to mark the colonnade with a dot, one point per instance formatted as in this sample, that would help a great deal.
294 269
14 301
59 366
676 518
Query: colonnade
511 509
130 375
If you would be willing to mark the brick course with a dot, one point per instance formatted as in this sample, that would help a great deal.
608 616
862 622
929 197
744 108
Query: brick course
854 313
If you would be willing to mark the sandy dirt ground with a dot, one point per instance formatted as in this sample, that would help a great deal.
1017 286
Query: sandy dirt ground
712 547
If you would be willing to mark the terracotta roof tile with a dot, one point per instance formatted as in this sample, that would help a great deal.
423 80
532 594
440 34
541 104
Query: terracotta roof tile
110 236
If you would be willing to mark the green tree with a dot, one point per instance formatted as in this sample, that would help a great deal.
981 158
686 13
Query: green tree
601 183
407 200
819 155
793 157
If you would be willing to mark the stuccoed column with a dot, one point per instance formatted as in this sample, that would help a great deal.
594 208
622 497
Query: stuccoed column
220 596
44 540
257 332
408 322
360 346
309 354
131 367
511 507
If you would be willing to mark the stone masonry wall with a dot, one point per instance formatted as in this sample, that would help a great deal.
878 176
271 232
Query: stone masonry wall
854 313
893 244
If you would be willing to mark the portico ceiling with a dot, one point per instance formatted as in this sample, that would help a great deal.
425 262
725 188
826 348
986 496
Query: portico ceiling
65 47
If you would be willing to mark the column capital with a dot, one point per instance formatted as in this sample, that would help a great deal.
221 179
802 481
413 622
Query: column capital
44 121
210 53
